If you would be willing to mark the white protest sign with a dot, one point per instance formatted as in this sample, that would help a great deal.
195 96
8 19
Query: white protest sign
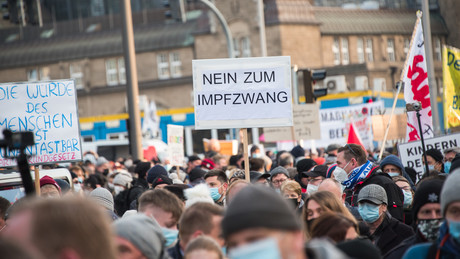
335 123
242 93
411 153
176 144
49 109
306 125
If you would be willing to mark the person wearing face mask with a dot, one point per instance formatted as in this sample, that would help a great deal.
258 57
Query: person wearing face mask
449 155
121 182
315 177
435 159
426 216
385 231
292 192
393 166
104 198
447 244
217 182
358 172
408 197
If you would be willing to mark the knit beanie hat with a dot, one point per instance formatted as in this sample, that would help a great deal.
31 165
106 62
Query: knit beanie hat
101 160
123 179
208 164
144 233
257 206
279 170
102 197
392 160
156 171
305 165
435 154
450 191
161 179
297 151
428 191
49 180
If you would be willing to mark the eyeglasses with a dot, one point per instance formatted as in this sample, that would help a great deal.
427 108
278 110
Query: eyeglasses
348 146
279 181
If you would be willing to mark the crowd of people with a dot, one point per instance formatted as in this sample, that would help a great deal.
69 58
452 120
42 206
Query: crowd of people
340 202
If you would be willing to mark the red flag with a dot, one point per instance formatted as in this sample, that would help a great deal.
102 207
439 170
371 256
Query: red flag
353 136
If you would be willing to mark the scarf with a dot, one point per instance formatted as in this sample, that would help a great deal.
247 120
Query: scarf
358 174
450 246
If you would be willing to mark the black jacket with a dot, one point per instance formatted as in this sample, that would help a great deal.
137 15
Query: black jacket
394 193
390 234
175 252
398 251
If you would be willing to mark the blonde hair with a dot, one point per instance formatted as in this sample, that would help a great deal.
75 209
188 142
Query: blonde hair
291 186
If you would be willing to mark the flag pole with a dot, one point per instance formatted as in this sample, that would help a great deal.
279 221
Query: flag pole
399 85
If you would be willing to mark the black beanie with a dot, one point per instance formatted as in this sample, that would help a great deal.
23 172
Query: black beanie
428 191
196 173
305 165
359 248
258 207
435 154
455 163
298 151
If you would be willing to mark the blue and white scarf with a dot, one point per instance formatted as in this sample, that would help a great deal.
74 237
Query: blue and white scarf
358 174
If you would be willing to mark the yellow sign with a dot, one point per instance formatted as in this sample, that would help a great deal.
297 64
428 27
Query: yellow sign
451 77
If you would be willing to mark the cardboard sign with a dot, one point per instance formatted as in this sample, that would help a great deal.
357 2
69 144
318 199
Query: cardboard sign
306 125
396 131
49 109
176 144
242 93
411 153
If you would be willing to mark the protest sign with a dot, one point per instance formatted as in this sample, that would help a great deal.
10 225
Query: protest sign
335 122
306 125
176 144
242 93
380 123
49 109
411 153
451 79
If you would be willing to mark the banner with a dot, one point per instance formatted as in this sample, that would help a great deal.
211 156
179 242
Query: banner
411 153
49 109
242 93
306 125
451 78
176 144
416 87
380 123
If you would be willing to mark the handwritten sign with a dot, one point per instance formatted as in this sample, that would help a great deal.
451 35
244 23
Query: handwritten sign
49 109
306 125
411 153
242 93
176 144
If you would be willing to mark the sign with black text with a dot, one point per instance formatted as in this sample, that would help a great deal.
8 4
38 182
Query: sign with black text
242 93
49 110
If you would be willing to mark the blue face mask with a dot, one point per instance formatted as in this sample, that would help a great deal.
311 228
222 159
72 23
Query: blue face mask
431 167
369 212
393 174
447 167
266 248
407 199
215 195
376 157
454 229
170 235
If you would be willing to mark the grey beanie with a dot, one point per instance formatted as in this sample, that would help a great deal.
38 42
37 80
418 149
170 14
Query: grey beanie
102 197
450 191
123 178
144 233
258 206
279 170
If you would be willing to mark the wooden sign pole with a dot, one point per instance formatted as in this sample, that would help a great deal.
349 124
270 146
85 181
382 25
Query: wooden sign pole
245 154
37 180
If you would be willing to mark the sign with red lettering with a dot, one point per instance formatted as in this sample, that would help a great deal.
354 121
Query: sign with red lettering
416 88
49 110
242 93
176 144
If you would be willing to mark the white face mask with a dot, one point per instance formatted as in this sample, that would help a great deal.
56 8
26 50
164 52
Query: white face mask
77 187
111 185
312 188
118 189
340 175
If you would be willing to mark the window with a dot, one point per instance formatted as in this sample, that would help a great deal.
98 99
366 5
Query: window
176 64
369 52
44 73
115 71
246 47
406 47
76 72
437 49
336 51
391 50
163 66
360 50
345 55
41 74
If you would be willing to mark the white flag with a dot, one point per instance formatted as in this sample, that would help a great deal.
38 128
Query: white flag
416 87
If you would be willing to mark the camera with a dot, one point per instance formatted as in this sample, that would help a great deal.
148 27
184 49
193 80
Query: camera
417 106
17 140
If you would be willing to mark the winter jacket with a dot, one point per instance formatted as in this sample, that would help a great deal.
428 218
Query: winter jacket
390 234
